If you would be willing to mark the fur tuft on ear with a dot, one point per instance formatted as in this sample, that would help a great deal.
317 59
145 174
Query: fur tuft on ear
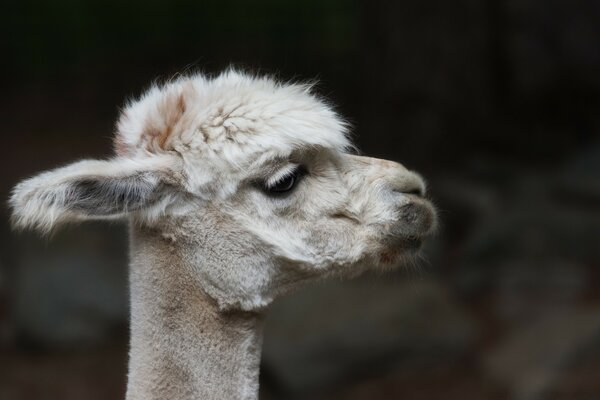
89 189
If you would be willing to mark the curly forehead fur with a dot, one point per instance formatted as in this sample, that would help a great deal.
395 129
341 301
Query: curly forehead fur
233 116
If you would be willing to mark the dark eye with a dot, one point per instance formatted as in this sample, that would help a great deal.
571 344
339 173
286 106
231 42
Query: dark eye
283 184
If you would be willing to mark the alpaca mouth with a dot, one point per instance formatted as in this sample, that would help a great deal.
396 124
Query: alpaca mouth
411 243
417 220
407 246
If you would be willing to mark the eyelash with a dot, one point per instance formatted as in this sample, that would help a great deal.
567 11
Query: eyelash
284 184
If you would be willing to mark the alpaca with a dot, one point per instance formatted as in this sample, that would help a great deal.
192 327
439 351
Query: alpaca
238 189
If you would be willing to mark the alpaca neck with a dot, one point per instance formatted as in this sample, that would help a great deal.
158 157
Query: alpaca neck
182 346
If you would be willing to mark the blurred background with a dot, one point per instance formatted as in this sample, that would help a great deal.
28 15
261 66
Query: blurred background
495 102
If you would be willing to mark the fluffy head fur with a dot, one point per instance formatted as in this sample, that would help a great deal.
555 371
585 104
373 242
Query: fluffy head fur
197 159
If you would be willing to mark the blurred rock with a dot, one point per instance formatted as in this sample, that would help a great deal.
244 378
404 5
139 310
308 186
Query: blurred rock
536 238
579 182
532 358
333 332
529 289
74 291
90 374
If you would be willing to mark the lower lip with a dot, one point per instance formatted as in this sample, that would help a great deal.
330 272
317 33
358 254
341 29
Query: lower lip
413 244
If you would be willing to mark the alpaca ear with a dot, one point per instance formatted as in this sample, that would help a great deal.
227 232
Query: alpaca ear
89 189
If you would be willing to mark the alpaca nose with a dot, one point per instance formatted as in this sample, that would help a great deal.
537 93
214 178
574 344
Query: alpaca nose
394 176
400 179
414 187
408 183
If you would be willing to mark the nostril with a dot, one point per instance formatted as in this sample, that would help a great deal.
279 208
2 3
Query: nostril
414 190
407 183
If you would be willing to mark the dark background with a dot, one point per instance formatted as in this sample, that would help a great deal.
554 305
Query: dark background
495 101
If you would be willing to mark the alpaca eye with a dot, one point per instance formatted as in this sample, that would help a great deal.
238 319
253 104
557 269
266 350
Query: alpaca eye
283 184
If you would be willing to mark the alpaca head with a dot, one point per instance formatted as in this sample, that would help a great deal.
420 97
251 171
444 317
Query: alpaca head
249 181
